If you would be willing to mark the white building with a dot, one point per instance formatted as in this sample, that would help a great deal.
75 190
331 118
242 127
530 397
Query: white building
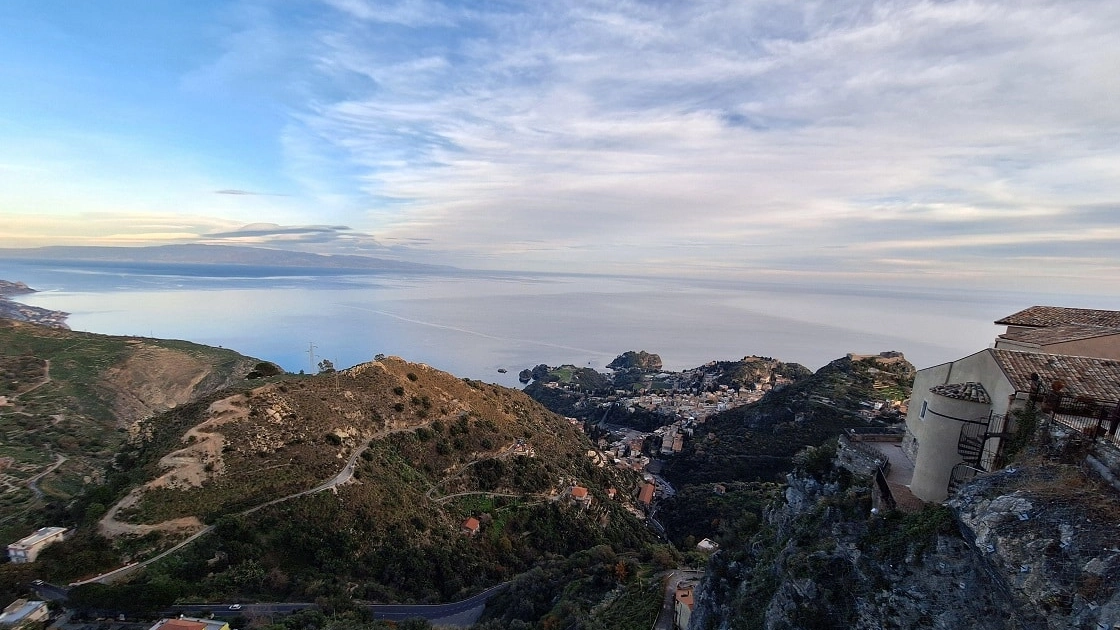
27 549
961 412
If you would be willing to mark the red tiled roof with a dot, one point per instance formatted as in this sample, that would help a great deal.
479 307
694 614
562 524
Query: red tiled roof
471 524
646 493
1040 316
1059 334
1082 376
579 492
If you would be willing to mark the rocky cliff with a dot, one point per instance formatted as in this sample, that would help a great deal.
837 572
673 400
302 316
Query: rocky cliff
1033 546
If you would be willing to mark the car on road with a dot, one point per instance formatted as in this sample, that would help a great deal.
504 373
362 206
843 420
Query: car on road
235 607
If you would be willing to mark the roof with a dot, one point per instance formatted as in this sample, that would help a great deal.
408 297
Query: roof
579 492
190 623
1082 376
182 624
1040 316
1059 334
19 610
971 391
684 596
39 536
471 524
646 493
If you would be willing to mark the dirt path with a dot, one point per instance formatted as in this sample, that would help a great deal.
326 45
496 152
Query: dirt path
46 379
33 483
186 468
458 473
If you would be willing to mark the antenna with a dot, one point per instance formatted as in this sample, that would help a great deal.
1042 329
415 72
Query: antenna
311 356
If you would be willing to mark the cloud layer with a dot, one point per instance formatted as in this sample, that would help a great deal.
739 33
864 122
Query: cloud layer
953 138
948 141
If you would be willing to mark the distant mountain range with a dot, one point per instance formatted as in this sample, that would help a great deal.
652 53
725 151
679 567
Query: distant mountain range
195 254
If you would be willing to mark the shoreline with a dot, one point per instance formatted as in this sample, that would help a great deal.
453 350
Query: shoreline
10 309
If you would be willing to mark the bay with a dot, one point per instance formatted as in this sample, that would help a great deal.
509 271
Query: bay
473 323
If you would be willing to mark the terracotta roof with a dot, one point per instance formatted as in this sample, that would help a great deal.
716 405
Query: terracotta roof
1083 376
974 392
1059 334
471 524
1039 316
646 493
579 492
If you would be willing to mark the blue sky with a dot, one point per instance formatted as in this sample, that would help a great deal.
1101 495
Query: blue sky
973 143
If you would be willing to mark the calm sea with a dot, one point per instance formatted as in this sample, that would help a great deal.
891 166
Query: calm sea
473 324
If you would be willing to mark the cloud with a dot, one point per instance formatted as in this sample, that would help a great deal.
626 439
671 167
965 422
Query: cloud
315 238
861 137
235 191
872 126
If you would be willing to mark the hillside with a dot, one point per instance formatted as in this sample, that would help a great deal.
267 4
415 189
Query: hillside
68 401
757 442
426 450
616 397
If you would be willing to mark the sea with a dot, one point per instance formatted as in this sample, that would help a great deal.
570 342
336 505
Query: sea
477 324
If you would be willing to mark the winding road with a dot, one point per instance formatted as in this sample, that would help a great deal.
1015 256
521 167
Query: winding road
33 483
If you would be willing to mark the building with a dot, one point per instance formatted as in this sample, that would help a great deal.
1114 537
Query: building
708 545
580 497
962 412
27 549
645 495
190 623
470 526
683 604
22 612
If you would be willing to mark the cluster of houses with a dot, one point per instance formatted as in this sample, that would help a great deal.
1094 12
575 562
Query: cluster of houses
1061 363
699 406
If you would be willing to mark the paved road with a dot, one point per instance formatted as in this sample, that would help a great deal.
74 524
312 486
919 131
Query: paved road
462 613
224 610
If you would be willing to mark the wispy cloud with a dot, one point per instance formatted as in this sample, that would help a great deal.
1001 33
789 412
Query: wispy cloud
791 128
859 137
236 191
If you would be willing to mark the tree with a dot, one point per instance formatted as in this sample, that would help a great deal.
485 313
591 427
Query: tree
326 366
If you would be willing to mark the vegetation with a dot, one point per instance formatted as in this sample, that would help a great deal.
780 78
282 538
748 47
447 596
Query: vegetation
757 442
395 533
73 397
596 588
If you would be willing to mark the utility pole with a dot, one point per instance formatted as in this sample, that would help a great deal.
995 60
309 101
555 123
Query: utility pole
311 356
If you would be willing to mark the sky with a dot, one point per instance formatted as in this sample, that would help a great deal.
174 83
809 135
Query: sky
945 143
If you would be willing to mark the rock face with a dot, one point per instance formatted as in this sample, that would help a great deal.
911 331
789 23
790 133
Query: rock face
642 360
1049 534
1036 546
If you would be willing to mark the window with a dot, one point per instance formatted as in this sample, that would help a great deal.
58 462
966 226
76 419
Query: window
922 415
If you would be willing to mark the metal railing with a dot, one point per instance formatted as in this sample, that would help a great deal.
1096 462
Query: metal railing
1092 417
